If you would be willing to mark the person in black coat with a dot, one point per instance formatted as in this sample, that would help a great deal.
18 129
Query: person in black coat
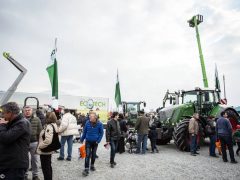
41 116
124 129
15 133
153 137
211 131
113 134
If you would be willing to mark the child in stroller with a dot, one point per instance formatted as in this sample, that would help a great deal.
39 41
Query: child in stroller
76 137
131 141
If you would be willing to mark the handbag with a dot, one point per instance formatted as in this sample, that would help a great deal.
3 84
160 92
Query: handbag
55 144
82 151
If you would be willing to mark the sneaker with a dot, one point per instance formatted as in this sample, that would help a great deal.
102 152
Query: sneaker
68 159
215 156
60 158
192 154
234 162
85 173
97 156
35 178
196 153
93 168
112 165
225 160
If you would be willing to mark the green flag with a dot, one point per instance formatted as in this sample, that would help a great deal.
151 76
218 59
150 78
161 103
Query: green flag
117 93
52 70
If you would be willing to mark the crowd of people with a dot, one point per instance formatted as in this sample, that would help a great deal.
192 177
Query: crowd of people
219 130
24 133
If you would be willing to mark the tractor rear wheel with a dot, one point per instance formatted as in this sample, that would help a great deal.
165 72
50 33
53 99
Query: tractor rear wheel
181 135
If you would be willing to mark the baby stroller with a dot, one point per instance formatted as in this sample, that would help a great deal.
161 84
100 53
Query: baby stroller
131 141
76 137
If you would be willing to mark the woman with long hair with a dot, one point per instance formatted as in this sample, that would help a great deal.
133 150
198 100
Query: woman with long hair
45 139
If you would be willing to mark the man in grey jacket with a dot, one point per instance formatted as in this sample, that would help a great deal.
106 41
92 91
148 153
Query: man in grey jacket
36 128
142 127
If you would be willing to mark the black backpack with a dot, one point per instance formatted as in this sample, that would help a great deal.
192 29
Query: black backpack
55 145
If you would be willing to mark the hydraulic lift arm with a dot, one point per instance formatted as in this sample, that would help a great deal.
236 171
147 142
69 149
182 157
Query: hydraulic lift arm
194 22
15 84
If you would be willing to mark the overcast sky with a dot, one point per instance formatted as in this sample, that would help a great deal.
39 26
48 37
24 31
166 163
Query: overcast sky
149 41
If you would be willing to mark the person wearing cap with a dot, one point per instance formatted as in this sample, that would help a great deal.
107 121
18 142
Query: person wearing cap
142 127
236 137
224 133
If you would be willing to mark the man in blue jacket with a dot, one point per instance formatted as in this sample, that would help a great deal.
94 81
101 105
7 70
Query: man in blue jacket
93 133
224 133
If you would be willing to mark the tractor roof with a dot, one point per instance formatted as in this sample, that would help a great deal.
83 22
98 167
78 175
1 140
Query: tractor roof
199 89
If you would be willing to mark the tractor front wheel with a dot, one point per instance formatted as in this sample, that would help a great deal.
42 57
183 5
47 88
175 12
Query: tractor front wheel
181 135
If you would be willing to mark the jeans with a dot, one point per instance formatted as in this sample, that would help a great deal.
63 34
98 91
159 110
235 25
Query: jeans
91 150
193 145
212 145
238 149
46 166
114 146
12 174
153 144
142 142
34 159
226 141
69 140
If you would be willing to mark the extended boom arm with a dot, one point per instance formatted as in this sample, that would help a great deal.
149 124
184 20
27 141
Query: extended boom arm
14 86
194 22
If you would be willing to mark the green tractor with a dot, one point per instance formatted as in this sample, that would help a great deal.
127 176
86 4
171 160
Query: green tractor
173 121
131 109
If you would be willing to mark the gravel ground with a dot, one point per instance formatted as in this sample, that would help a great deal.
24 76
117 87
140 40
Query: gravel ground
169 163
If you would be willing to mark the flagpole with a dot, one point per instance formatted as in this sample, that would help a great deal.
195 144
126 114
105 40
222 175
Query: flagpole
55 47
118 81
224 84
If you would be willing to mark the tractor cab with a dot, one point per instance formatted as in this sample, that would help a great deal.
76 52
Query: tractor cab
131 109
203 100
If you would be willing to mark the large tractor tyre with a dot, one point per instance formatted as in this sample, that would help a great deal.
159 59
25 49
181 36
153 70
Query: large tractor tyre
233 117
181 135
163 141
